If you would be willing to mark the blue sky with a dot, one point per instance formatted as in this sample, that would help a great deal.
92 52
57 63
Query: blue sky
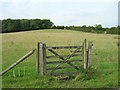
63 12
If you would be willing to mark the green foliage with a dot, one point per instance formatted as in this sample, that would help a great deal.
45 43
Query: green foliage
118 29
112 30
10 25
58 27
15 25
98 27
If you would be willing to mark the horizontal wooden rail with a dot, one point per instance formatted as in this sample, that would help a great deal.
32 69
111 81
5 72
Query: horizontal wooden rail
62 47
63 56
64 67
76 51
17 62
57 62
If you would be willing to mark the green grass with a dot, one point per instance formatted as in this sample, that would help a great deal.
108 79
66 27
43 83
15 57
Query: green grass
102 74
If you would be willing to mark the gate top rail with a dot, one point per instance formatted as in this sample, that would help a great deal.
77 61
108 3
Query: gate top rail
62 47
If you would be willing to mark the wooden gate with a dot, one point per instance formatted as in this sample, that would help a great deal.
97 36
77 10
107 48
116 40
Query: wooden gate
42 63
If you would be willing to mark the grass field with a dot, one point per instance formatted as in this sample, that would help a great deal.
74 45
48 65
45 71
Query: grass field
104 72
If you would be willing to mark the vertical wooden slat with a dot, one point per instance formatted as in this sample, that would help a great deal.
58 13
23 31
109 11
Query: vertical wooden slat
42 58
37 61
87 58
84 54
89 53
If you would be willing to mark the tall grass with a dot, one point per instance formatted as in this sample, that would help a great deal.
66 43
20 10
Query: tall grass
103 73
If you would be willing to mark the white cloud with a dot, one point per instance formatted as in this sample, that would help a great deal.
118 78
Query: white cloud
60 1
63 12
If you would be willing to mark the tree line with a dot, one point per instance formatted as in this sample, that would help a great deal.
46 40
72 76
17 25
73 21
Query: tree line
93 29
15 25
96 29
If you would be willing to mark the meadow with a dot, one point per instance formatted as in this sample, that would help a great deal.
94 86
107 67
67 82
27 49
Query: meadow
104 72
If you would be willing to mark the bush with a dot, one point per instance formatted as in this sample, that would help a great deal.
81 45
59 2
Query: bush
112 30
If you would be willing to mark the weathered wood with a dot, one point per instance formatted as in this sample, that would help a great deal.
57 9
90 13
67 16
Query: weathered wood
89 53
62 47
87 58
64 67
84 54
63 59
42 58
72 54
37 61
63 56
17 62
77 51
57 62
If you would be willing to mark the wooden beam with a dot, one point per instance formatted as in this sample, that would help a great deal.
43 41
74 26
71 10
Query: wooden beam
17 62
84 54
64 67
87 58
77 51
42 58
63 56
62 47
89 54
57 62
72 54
37 61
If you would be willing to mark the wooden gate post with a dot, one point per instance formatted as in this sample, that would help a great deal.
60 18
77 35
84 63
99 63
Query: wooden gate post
41 62
89 53
87 58
84 54
37 61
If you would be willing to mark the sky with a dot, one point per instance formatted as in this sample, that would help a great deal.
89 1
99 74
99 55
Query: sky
119 13
63 12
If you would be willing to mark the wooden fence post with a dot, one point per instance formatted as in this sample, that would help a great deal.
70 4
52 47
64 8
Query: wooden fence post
87 58
84 54
42 58
89 53
37 62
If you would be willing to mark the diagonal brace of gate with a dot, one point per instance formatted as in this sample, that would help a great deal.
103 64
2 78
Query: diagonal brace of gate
65 60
